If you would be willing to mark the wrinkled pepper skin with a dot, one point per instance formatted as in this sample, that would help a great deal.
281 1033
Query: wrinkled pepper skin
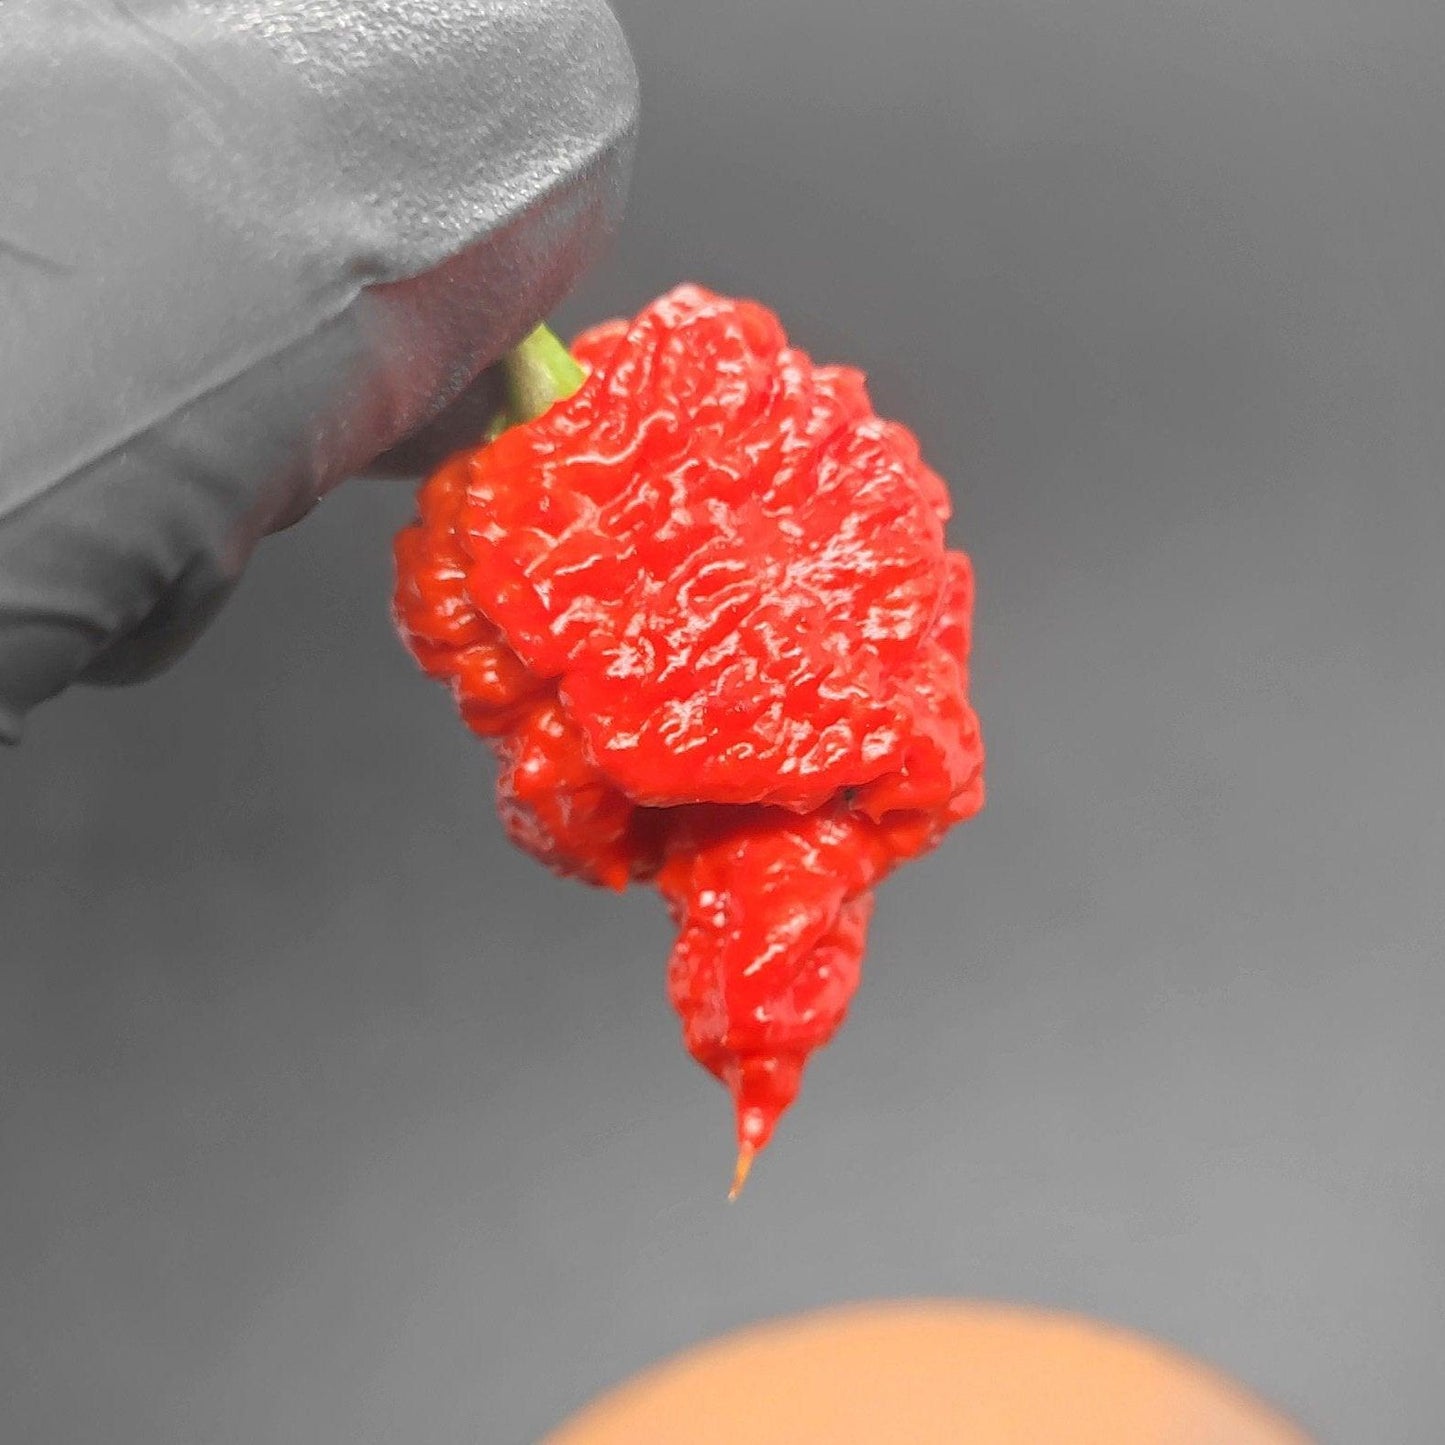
704 613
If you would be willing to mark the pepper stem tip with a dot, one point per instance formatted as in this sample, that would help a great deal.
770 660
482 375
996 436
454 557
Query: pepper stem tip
538 371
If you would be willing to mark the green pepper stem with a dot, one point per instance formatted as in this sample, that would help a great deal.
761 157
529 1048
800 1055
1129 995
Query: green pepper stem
537 372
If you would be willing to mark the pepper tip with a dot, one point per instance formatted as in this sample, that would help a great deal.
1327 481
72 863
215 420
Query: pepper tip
746 1155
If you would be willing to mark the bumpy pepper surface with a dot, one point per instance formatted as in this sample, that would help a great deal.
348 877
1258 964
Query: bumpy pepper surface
704 613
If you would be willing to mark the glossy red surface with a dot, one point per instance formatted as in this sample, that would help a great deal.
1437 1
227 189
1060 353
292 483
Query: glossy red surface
704 612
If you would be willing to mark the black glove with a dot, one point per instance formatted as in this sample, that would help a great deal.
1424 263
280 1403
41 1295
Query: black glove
247 247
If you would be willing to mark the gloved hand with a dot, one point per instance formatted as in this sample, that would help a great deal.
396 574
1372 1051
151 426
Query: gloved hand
246 247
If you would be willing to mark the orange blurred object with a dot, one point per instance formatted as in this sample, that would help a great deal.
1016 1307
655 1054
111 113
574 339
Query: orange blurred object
930 1373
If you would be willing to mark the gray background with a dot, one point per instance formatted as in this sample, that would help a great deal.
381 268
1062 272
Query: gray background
327 1118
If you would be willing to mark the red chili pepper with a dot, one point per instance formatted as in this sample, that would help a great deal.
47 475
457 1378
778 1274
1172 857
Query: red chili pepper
703 610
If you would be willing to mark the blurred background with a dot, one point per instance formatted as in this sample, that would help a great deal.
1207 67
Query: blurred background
326 1117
